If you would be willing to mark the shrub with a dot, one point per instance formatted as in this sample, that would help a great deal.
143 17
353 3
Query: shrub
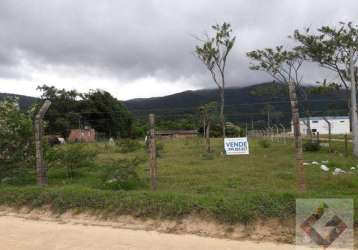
71 156
264 143
121 174
16 144
127 146
311 146
233 131
243 208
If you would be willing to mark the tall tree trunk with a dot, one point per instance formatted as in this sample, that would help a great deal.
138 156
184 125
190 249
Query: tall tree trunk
222 117
208 137
348 93
354 106
297 135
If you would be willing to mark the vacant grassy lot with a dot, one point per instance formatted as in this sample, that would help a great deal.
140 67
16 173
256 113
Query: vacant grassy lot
228 188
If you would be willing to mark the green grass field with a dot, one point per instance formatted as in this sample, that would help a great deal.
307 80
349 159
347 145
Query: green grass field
228 188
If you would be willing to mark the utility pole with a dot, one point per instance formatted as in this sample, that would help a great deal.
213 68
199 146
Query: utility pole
41 172
152 153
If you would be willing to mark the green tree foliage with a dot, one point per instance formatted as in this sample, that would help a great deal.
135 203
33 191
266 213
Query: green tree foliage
16 139
273 89
330 47
172 123
336 49
281 64
106 114
63 114
97 109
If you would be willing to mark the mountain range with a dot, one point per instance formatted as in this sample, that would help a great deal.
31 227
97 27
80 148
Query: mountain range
260 104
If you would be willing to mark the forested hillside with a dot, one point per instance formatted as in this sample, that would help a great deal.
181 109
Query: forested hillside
253 103
258 103
24 101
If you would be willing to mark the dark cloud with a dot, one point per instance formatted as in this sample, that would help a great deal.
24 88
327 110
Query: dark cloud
139 38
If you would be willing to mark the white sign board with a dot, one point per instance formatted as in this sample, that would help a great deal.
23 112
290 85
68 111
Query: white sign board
236 146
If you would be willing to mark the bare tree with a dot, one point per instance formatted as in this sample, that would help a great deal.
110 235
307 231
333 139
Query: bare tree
213 52
284 66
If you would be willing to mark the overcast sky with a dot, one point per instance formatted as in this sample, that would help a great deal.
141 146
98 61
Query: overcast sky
143 48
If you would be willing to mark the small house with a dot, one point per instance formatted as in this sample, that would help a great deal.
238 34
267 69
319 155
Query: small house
171 134
82 135
339 125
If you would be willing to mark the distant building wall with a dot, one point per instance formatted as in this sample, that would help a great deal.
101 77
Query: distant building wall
339 125
82 135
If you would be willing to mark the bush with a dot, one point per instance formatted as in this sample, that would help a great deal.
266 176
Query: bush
233 131
71 156
16 140
121 174
242 208
264 143
127 146
311 146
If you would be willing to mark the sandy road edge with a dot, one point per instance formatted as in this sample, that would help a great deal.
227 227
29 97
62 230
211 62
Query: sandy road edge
262 231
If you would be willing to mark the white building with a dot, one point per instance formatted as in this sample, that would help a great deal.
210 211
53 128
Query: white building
339 125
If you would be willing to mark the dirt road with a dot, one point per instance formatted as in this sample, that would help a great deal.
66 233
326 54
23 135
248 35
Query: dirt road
23 234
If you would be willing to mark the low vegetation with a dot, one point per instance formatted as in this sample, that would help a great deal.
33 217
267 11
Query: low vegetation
230 189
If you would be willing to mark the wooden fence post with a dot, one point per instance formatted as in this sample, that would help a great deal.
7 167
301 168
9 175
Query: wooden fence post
41 172
152 153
